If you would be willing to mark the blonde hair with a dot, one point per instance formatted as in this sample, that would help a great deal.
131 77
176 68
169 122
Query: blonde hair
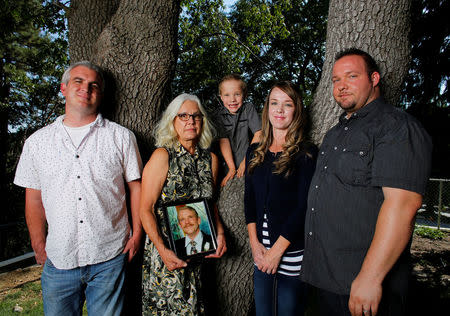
234 77
294 137
165 133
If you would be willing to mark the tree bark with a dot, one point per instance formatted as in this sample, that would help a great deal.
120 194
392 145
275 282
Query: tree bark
86 20
135 42
233 289
380 28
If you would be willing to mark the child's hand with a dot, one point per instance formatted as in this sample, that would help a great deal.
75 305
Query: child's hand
241 169
229 176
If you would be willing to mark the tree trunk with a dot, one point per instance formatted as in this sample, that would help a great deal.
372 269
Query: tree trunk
86 20
380 28
233 288
135 42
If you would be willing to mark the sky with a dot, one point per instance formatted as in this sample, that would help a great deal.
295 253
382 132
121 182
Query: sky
228 3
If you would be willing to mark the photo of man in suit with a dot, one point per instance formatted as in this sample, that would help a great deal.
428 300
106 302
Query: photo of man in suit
195 240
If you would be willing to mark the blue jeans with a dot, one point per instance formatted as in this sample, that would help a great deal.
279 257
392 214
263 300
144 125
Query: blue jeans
101 284
278 294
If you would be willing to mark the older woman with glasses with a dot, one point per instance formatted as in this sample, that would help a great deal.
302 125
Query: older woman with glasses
180 168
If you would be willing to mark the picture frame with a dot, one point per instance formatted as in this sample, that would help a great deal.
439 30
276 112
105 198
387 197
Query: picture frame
186 220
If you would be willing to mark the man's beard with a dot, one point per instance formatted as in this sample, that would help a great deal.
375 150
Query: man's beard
349 106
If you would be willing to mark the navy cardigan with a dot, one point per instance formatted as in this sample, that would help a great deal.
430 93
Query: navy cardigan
283 199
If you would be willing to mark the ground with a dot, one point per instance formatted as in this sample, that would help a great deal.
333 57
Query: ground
13 281
430 284
429 287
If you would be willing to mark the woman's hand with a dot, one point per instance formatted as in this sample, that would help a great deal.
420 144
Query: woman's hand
170 259
221 246
258 251
272 257
270 261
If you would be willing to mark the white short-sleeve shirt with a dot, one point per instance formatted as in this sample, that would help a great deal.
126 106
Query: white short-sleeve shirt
82 189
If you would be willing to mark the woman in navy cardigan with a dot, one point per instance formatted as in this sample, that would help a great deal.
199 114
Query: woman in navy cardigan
278 173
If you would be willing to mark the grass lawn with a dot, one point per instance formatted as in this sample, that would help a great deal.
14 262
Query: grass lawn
27 296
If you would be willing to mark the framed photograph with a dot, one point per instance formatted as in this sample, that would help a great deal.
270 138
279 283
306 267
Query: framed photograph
191 228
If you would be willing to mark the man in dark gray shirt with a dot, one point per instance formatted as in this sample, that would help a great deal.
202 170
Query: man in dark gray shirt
370 177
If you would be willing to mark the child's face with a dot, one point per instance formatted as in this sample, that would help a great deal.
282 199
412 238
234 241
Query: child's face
231 95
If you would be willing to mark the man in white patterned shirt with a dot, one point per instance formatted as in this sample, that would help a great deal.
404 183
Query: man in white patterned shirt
74 171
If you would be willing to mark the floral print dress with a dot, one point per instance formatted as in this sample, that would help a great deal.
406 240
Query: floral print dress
176 292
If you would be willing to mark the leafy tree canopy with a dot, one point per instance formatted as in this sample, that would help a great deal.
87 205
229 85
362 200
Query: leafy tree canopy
426 90
265 41
33 54
429 76
33 50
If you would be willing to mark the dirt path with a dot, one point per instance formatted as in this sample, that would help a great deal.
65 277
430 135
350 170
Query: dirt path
11 282
431 259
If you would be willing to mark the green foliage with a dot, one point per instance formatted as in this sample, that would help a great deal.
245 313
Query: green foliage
207 48
33 52
265 41
429 76
33 55
292 50
426 89
430 233
15 241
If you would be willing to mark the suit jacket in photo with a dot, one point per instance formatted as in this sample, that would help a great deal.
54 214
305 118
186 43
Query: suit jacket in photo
181 249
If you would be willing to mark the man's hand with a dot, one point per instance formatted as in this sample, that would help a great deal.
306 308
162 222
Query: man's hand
35 217
229 176
39 253
365 296
132 247
395 225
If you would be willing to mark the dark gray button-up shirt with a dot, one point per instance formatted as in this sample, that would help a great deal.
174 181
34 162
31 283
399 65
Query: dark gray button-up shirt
239 128
378 146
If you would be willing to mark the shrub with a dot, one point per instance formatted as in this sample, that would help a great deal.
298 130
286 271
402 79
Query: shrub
430 233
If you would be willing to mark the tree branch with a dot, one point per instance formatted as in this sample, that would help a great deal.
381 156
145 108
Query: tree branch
63 5
235 39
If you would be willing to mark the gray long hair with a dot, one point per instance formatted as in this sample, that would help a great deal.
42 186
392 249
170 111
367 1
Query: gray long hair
165 134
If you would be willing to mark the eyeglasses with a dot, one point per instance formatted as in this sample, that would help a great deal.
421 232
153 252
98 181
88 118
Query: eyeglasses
186 116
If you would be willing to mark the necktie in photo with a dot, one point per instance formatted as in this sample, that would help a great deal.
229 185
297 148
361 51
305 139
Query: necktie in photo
193 249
